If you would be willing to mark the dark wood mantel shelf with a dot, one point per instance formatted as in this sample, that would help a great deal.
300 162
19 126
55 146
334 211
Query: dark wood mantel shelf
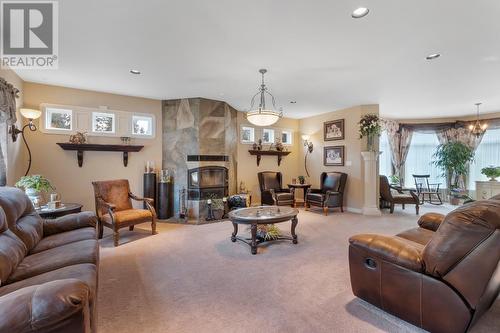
80 148
260 153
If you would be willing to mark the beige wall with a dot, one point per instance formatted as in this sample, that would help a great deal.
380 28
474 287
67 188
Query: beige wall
15 152
60 167
313 126
247 165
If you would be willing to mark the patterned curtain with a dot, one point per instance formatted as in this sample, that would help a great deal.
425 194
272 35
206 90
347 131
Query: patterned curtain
8 95
399 142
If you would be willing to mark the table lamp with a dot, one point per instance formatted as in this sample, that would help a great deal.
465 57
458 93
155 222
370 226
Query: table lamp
31 115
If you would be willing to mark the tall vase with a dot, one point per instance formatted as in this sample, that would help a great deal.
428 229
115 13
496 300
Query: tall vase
370 139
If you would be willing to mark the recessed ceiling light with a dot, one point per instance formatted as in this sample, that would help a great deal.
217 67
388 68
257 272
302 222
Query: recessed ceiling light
433 56
135 71
360 12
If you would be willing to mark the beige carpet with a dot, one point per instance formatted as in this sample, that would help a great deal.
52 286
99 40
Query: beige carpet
194 279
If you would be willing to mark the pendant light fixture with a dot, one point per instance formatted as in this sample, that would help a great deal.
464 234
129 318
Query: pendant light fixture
263 116
477 128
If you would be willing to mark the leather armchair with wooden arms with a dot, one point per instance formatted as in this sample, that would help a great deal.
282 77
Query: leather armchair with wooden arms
114 207
330 194
272 191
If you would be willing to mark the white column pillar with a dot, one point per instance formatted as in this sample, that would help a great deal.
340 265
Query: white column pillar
371 195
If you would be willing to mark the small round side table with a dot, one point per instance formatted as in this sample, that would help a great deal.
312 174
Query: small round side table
304 187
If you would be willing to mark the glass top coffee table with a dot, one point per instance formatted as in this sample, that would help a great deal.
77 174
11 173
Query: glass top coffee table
254 216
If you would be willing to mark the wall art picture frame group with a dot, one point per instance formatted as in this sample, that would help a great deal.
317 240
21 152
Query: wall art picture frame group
334 130
334 156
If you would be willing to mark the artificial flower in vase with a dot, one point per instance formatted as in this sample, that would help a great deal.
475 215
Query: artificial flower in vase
369 127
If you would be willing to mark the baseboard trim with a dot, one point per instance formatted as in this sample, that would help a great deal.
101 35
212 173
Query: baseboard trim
371 211
354 210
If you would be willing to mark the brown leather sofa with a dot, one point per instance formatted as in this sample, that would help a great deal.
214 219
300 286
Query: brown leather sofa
441 276
272 191
330 194
48 269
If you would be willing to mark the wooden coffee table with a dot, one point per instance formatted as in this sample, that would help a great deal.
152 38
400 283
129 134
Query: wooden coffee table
254 216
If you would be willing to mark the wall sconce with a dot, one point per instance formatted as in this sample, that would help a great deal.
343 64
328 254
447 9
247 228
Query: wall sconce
310 147
31 115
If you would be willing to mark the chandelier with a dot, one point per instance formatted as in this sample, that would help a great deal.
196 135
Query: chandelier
263 116
477 128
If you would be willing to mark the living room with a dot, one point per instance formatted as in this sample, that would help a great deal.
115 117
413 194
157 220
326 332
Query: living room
197 171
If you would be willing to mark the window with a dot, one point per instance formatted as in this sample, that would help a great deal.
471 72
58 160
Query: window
103 122
385 163
267 135
419 159
247 134
142 125
59 119
286 137
487 153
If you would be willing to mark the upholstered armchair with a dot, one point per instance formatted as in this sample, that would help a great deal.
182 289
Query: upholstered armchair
399 197
330 194
272 191
114 207
441 276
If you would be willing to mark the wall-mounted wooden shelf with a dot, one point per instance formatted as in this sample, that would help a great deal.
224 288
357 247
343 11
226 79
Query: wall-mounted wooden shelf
260 153
80 148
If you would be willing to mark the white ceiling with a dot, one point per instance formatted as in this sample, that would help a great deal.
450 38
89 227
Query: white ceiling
316 53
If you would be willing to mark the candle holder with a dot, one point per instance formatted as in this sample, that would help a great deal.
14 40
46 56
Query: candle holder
182 204
210 213
226 208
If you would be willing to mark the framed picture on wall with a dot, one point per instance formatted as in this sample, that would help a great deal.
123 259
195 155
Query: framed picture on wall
334 130
286 137
334 156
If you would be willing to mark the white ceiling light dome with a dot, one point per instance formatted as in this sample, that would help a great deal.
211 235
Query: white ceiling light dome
360 12
263 116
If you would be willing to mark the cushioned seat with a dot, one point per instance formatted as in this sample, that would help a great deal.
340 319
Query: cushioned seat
134 216
84 272
394 195
64 238
284 196
417 235
272 191
81 252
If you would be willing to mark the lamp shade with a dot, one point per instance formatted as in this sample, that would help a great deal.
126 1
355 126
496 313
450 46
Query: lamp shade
263 117
306 137
30 113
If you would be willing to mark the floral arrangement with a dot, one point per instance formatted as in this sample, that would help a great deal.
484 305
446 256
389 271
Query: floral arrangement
369 125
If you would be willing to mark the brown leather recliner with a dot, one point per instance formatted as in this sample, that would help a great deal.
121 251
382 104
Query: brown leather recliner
441 276
330 194
114 209
272 191
48 269
401 198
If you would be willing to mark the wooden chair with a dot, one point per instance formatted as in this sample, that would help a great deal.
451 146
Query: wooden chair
400 197
424 188
114 207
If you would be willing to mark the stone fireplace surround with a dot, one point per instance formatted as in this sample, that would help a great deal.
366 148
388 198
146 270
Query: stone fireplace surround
198 133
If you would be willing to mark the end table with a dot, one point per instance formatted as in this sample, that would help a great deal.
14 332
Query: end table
304 187
67 208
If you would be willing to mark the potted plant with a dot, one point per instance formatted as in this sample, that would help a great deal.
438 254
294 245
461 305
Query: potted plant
33 186
301 179
453 159
369 127
491 172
